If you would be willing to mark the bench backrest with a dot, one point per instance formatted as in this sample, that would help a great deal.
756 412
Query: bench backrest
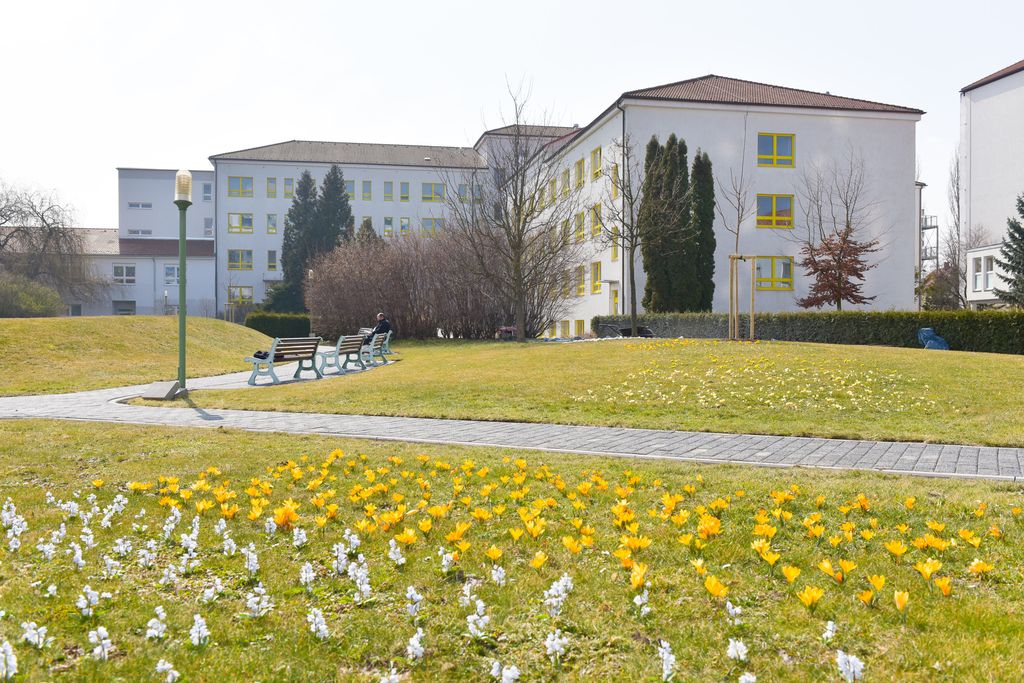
377 342
294 348
352 343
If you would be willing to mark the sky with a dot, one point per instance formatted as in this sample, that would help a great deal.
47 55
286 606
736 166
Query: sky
91 86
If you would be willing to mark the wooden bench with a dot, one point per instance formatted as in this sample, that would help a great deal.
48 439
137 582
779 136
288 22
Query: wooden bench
374 349
348 347
286 350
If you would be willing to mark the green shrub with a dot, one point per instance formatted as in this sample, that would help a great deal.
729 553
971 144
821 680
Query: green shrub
279 324
24 298
987 331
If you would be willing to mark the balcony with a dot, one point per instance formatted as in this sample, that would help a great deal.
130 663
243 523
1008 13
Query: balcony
929 222
273 276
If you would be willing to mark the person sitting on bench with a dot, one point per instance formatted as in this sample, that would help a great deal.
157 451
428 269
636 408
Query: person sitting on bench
383 327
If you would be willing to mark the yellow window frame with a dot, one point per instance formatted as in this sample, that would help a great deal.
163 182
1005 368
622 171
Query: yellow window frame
271 262
237 259
239 190
595 220
775 281
237 295
581 227
581 280
432 192
404 226
595 164
289 188
271 188
389 226
615 243
271 225
552 191
565 329
350 189
580 328
615 181
774 219
241 228
389 190
580 173
403 192
367 192
595 277
775 160
565 183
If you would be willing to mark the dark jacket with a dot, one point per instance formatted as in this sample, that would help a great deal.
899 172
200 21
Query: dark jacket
383 327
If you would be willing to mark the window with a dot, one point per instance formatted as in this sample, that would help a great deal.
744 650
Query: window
389 226
433 192
977 275
389 191
615 243
565 329
615 181
140 205
595 277
124 274
289 188
403 226
566 231
579 174
239 186
595 164
367 190
552 331
272 259
990 270
775 149
581 230
478 194
208 227
775 211
579 328
615 302
432 226
774 272
403 192
463 193
271 188
552 191
124 307
565 184
595 220
139 232
271 223
350 189
207 192
240 222
239 259
170 274
581 281
240 295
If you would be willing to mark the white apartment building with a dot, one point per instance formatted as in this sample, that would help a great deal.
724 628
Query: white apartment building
770 135
991 171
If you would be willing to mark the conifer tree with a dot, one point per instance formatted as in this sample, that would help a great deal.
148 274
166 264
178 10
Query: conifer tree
299 225
1012 259
680 251
333 213
702 223
649 222
366 232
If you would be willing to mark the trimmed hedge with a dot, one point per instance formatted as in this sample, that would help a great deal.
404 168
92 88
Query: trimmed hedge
987 331
279 324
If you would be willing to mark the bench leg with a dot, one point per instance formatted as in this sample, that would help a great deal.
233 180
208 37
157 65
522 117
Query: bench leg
273 375
312 366
255 373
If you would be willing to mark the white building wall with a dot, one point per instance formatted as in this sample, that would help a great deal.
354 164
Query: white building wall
138 188
148 291
260 241
886 142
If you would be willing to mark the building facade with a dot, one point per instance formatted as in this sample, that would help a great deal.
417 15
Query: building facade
772 138
991 171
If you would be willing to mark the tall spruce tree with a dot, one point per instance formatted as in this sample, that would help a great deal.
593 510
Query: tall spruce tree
299 225
684 288
702 222
1012 261
333 213
649 224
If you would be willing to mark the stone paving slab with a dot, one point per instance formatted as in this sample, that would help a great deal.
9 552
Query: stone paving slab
105 405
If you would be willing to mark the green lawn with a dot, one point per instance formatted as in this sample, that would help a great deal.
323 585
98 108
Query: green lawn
766 388
381 490
53 355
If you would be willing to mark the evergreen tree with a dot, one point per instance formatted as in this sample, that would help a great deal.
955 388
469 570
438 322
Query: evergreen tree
1012 261
334 213
299 225
702 223
684 287
649 222
366 232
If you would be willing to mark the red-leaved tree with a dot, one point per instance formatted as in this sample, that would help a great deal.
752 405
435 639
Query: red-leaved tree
837 263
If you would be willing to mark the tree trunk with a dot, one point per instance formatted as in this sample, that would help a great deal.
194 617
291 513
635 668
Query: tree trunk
520 296
632 291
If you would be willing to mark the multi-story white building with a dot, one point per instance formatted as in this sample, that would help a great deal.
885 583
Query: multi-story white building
991 171
773 137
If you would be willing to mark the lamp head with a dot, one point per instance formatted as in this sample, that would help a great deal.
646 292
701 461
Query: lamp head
183 186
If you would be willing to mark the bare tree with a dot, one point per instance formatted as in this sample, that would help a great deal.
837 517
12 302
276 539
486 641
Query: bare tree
735 200
508 220
38 240
959 238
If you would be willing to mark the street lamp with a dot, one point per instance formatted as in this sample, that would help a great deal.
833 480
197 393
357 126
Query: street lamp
183 200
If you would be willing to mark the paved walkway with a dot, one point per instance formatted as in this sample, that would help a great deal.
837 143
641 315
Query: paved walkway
885 456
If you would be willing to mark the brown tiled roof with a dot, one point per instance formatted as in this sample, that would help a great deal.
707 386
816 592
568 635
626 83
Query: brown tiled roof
722 90
991 78
98 241
363 153
151 247
533 131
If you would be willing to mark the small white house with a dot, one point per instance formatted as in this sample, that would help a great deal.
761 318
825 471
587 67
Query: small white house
991 171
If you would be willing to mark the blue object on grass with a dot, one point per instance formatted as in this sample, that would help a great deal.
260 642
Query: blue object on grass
930 340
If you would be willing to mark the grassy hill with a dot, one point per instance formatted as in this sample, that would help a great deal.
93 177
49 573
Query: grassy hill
54 355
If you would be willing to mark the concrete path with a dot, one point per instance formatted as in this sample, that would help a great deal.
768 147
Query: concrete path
893 457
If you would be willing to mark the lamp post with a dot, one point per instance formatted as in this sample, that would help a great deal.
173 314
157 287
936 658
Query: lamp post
183 200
